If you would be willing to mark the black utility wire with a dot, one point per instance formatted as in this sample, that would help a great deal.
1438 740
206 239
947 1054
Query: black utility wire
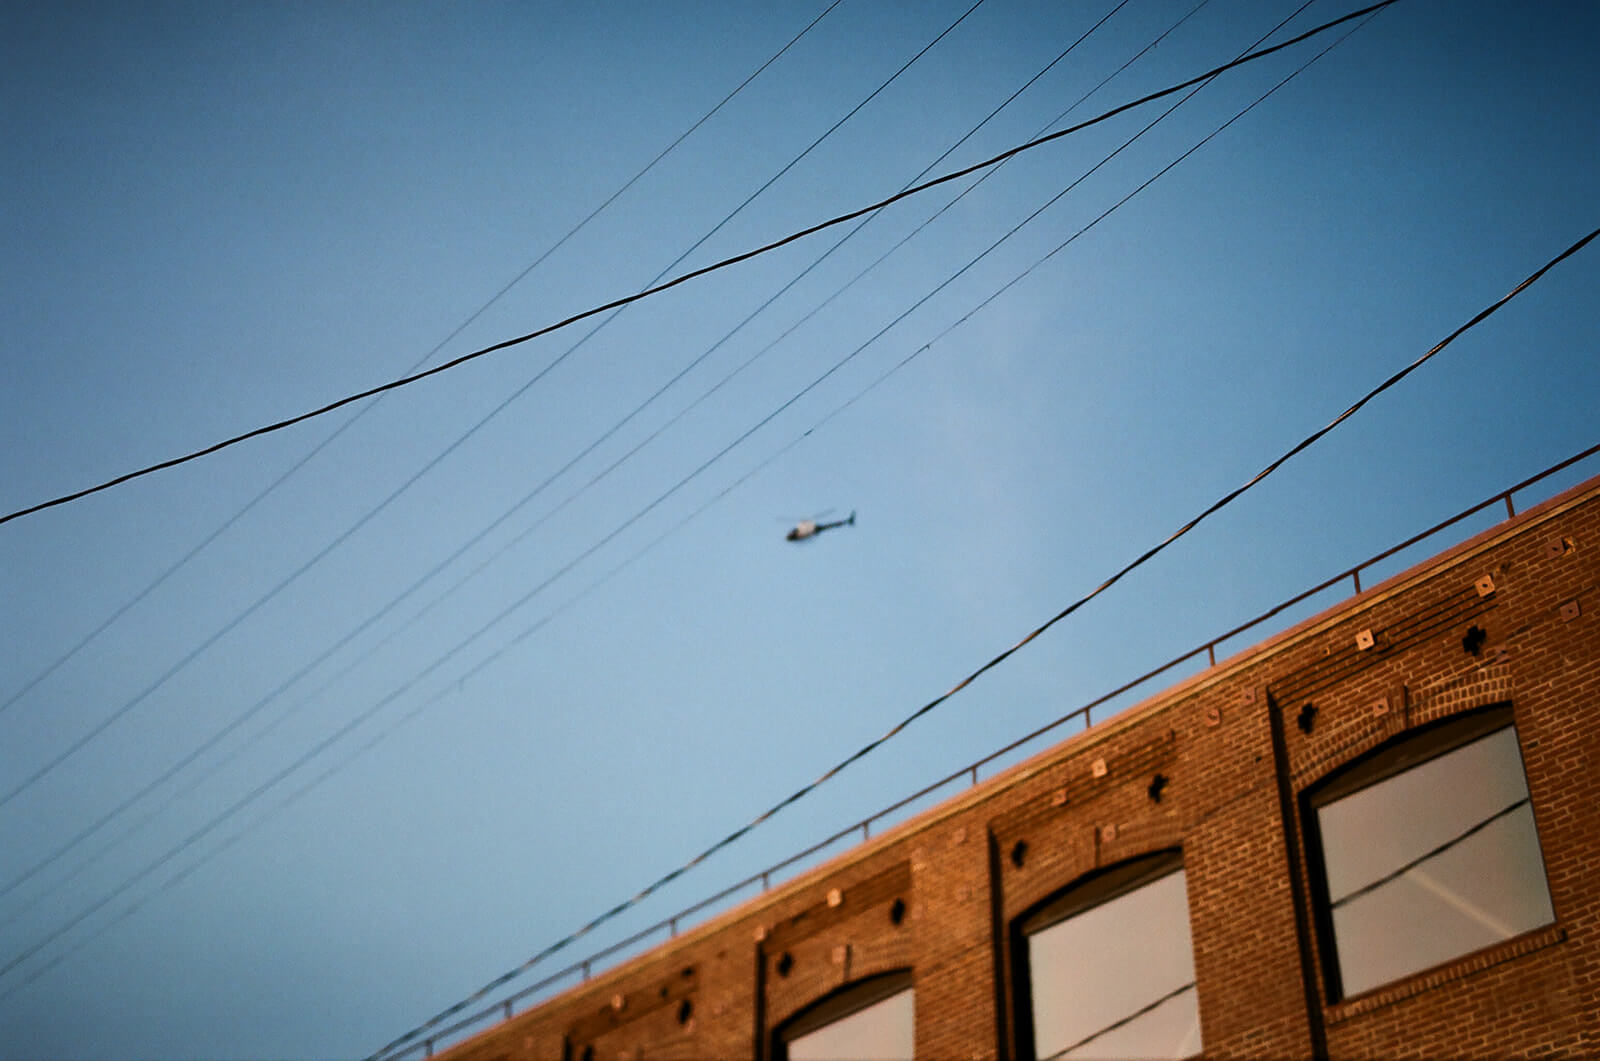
1391 381
94 732
186 872
106 723
405 687
260 602
260 704
868 748
327 653
349 727
684 278
598 477
424 359
264 701
294 797
652 287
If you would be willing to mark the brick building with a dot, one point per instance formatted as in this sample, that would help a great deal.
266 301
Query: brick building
1373 835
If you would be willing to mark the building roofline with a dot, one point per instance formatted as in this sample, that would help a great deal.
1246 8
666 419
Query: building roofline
1153 705
1168 697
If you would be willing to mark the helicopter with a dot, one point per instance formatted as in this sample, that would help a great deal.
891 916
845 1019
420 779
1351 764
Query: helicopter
810 528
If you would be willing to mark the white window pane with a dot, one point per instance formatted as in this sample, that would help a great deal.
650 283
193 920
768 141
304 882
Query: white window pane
1393 821
884 1031
1117 979
1432 863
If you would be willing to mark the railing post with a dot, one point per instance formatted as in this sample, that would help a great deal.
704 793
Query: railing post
974 773
766 882
672 927
1511 510
866 833
427 1048
507 1008
586 969
1211 652
1355 576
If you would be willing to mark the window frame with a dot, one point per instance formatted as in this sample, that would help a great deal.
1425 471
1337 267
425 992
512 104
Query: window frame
844 1001
1407 749
1080 895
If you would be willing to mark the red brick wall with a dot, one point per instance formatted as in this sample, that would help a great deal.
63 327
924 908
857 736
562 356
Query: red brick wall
718 990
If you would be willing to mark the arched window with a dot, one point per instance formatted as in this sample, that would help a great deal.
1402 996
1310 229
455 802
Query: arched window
870 1020
1425 850
1105 968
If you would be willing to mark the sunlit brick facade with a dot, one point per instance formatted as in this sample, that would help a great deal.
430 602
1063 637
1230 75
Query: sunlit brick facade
1488 653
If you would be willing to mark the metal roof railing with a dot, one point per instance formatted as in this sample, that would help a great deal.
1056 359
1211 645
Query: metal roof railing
667 928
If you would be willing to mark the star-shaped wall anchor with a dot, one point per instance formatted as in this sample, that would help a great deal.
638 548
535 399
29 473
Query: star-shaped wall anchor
1307 717
1472 644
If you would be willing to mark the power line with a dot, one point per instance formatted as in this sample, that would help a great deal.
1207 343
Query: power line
264 701
654 285
405 687
439 662
1108 211
713 389
1391 381
95 731
440 345
683 278
345 535
236 852
990 665
1058 248
217 737
394 727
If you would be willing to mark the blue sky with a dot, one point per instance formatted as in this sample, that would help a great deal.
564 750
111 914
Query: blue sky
218 215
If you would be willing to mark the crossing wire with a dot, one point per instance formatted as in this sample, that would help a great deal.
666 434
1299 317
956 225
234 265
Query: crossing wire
194 754
155 583
692 274
105 819
195 837
261 601
871 746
